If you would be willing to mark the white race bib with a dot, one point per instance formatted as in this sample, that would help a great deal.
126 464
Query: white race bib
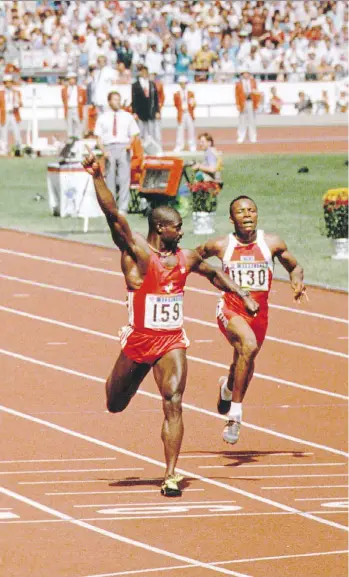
163 312
252 276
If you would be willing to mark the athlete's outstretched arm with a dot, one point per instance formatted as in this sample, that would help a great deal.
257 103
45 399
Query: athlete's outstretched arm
208 249
119 227
222 281
289 262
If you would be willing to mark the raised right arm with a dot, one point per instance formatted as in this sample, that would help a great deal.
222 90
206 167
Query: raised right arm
119 227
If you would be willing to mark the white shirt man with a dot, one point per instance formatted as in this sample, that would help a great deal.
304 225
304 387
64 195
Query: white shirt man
153 61
192 37
115 130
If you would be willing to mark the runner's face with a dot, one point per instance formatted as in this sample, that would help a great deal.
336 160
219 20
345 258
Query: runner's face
172 233
244 216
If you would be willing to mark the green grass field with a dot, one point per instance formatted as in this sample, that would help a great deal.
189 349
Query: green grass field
290 204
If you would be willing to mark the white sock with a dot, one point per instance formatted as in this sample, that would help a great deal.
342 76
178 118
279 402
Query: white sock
235 413
226 395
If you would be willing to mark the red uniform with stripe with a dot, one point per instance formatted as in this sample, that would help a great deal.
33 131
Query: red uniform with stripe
251 267
156 312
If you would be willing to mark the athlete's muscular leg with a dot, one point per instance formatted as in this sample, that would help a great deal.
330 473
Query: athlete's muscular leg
170 373
243 339
123 382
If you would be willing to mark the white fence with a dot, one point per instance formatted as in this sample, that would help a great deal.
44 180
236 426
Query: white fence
214 101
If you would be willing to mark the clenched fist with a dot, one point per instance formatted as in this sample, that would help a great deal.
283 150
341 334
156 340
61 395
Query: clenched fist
91 164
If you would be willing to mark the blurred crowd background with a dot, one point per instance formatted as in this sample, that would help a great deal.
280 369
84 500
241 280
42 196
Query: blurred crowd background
206 41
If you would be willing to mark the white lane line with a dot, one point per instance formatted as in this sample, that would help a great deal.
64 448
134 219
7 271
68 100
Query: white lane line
115 536
68 482
319 499
196 359
248 560
188 288
145 506
268 465
59 460
289 476
185 405
188 319
126 491
278 488
46 471
189 474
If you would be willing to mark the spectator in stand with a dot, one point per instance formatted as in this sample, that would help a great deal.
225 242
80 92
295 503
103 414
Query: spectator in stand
104 78
10 117
184 101
294 75
203 62
124 75
275 102
154 60
224 68
257 21
304 104
74 100
125 54
183 62
169 60
192 38
253 63
145 103
247 101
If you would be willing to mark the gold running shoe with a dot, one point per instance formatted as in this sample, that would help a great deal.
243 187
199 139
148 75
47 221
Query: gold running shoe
169 487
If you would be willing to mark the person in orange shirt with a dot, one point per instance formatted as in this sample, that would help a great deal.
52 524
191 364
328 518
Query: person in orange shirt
184 101
247 101
10 118
74 100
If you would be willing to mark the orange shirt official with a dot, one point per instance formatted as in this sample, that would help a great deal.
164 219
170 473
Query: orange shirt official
81 100
241 94
182 106
16 103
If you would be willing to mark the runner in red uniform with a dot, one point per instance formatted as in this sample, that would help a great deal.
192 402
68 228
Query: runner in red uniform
155 272
248 257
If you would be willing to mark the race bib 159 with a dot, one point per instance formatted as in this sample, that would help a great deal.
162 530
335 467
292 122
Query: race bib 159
250 275
163 312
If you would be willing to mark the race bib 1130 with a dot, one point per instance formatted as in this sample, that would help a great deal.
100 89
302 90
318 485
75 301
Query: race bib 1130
252 276
163 312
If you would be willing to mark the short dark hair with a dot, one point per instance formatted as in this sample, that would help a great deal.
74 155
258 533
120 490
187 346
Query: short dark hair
161 215
111 94
241 197
208 137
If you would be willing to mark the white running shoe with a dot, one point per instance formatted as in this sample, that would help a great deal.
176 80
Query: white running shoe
231 432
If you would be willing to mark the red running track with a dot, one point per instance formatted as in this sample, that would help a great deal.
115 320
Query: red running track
80 494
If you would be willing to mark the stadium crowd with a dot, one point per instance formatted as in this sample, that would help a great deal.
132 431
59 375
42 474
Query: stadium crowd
205 41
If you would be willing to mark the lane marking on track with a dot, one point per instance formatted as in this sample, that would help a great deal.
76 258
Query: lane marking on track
268 465
189 474
288 476
68 482
46 471
158 505
126 491
159 511
8 515
306 487
59 460
336 504
116 536
196 359
319 499
188 288
185 405
248 560
187 319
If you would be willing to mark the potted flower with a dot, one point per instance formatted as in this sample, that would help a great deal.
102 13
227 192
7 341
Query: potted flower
204 197
335 204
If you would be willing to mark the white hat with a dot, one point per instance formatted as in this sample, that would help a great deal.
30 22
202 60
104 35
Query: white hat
182 78
8 78
138 4
71 75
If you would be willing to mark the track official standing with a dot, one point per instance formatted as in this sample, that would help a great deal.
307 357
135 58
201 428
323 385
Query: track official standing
145 103
247 101
74 100
10 118
184 101
115 131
